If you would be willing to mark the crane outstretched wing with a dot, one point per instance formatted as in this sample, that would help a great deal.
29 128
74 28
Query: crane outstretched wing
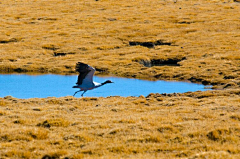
85 73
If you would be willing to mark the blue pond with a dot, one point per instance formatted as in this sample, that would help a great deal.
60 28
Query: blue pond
41 86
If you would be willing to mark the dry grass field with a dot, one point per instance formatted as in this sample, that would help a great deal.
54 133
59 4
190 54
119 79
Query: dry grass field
194 40
189 125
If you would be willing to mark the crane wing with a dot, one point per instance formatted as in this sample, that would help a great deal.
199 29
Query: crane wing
85 74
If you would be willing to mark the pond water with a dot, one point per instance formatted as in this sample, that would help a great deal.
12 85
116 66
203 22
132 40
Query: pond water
49 85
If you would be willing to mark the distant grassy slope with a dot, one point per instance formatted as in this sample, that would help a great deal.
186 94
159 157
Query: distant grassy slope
190 125
203 38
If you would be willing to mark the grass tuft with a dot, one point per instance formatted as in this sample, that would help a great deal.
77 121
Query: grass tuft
58 122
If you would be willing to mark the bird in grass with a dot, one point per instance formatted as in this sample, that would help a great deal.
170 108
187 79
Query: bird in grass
85 78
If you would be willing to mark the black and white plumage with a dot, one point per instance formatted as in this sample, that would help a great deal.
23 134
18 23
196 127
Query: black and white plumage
85 78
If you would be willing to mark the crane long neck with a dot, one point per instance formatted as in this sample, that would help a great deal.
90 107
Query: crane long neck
103 83
100 84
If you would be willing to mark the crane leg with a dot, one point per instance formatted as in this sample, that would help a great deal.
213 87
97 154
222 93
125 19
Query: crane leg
83 93
77 92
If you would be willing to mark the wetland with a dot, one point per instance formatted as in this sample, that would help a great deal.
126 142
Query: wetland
197 41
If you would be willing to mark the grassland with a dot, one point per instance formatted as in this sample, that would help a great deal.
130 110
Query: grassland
189 125
197 40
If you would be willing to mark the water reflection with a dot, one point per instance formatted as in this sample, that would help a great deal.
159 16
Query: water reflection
41 86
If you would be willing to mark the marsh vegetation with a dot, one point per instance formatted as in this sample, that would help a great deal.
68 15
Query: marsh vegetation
188 125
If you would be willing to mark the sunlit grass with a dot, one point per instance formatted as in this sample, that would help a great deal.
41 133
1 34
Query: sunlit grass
189 124
46 40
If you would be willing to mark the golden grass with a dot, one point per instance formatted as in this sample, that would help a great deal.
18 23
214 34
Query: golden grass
188 125
202 40
50 37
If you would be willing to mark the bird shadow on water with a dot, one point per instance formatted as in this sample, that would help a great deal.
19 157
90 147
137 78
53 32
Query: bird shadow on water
49 85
